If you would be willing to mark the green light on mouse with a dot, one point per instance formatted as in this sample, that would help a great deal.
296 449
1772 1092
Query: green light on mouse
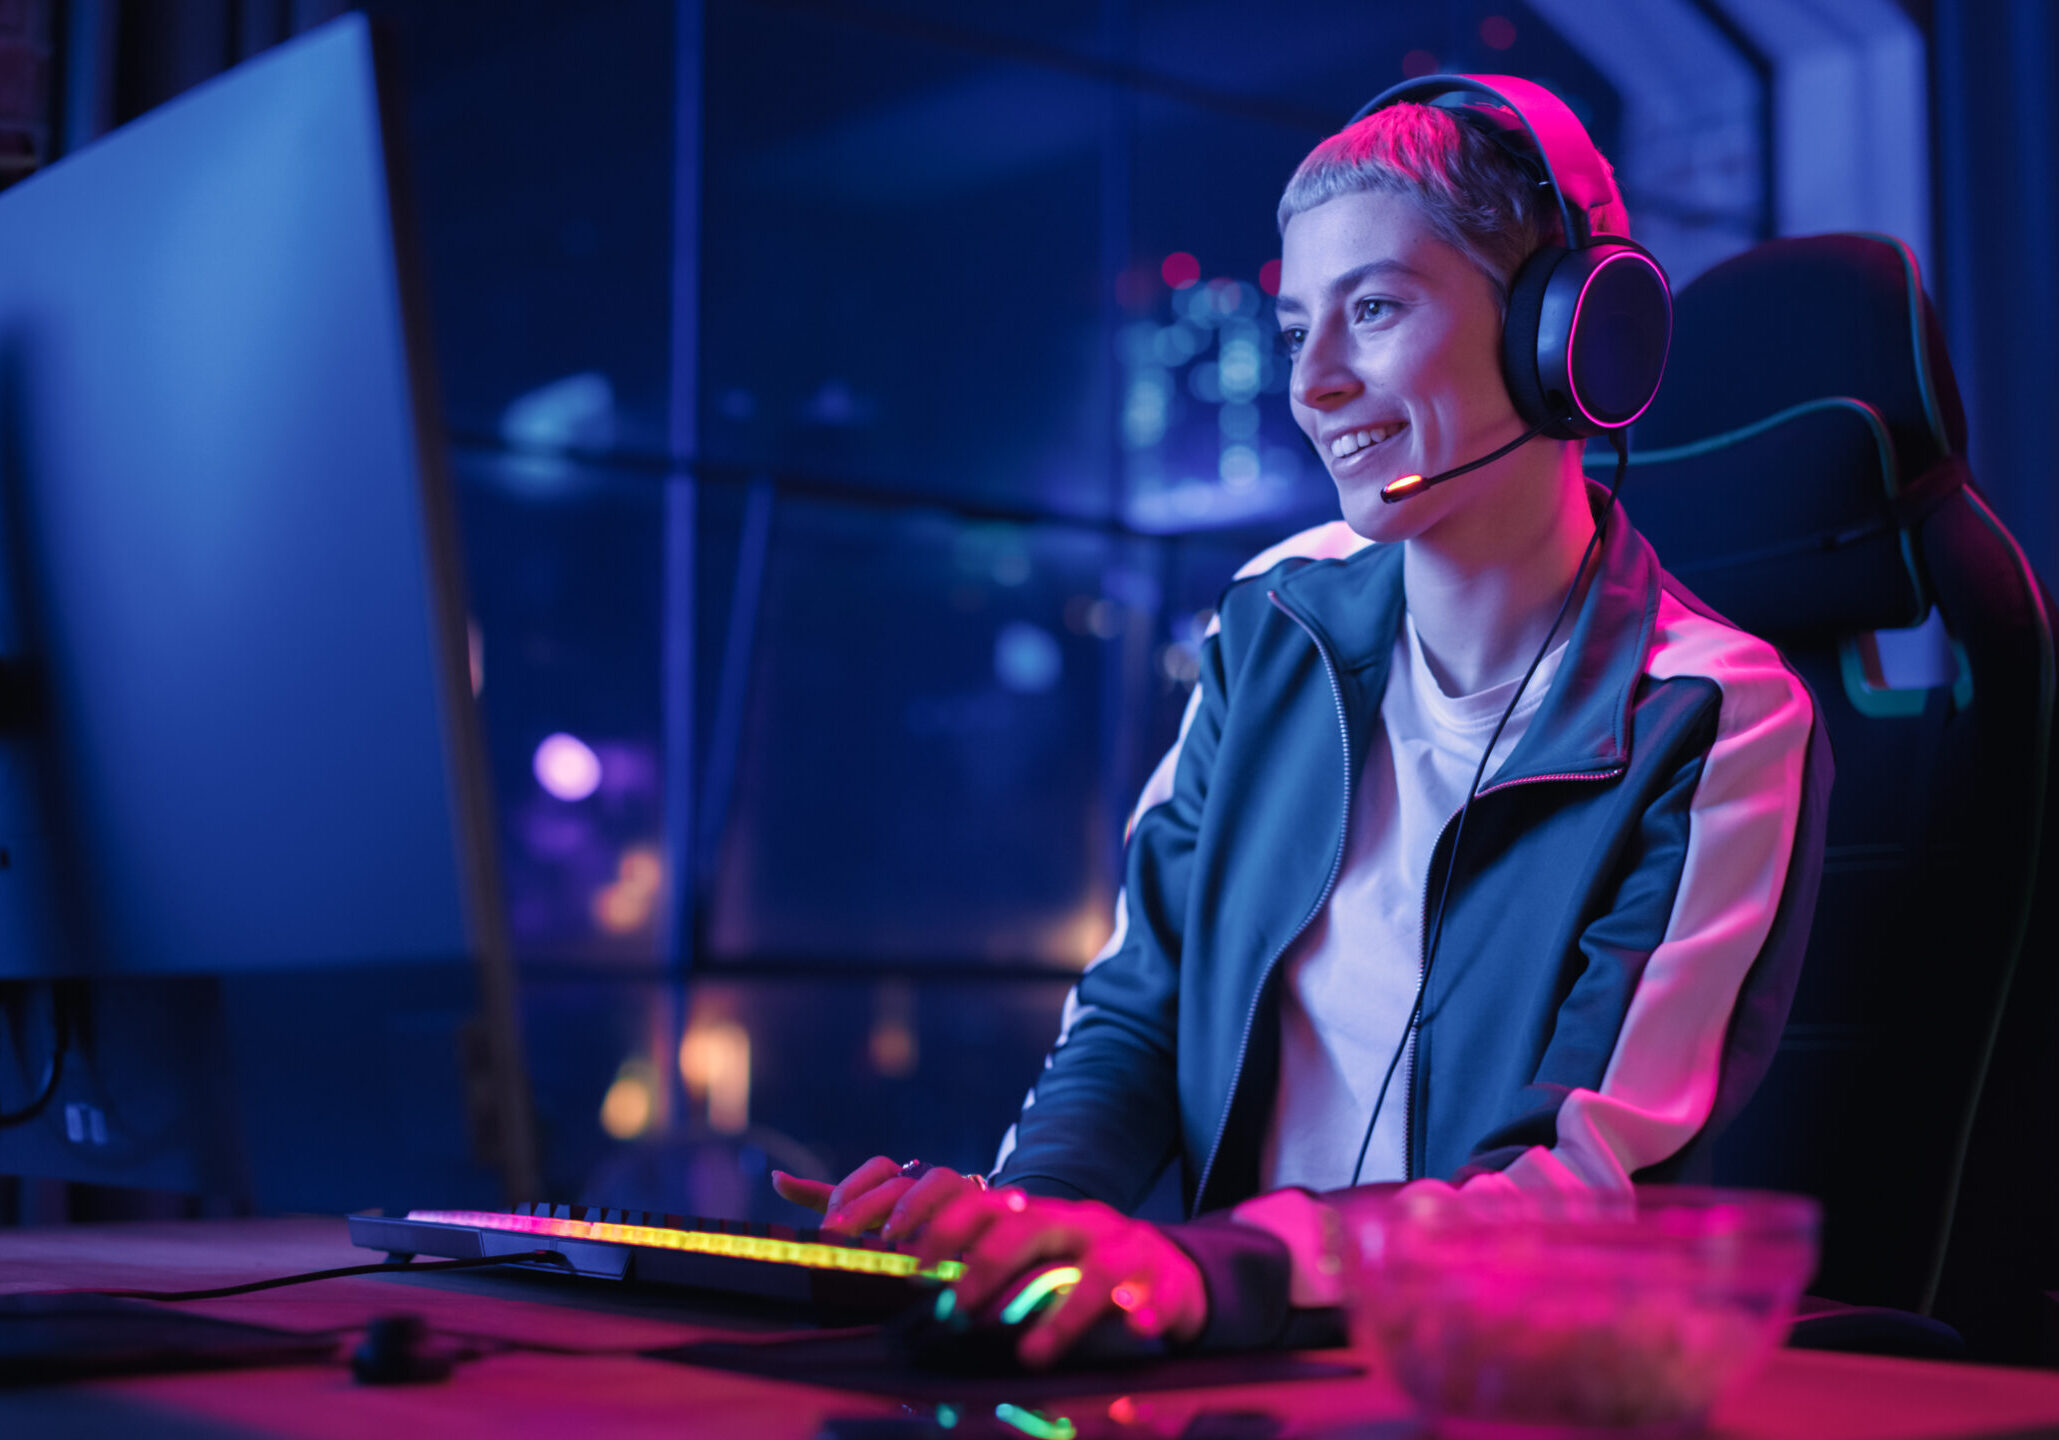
1034 1294
1029 1422
947 1301
947 1417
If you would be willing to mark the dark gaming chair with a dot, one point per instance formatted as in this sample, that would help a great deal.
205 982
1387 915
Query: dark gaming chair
1802 472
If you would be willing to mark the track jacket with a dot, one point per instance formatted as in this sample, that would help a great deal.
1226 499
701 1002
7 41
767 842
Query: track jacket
1626 923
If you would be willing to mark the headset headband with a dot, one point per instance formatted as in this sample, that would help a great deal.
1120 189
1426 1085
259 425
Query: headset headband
1589 202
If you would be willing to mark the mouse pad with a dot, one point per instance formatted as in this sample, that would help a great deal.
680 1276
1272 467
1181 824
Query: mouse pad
868 1360
53 1337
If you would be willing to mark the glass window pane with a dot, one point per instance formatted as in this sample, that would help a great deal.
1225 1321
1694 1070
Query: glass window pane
565 571
900 263
540 147
920 774
1207 436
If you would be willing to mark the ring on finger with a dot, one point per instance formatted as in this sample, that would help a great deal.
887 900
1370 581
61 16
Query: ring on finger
916 1169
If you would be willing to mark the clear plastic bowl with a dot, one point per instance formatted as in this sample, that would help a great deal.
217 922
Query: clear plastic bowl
1623 1316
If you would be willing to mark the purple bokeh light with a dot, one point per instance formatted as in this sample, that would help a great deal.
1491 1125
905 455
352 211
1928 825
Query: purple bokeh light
566 767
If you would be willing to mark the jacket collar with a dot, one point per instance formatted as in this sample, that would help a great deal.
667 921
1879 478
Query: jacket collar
1355 605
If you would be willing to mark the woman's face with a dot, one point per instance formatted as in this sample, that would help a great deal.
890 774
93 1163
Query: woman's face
1396 343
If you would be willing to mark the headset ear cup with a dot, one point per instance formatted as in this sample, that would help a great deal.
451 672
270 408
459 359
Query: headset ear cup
1616 309
1519 341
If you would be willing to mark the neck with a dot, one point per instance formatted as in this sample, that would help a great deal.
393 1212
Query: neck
1485 583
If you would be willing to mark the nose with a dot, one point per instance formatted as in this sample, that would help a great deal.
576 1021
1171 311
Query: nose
1323 378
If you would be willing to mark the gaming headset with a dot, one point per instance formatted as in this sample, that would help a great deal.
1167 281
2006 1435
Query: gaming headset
1590 321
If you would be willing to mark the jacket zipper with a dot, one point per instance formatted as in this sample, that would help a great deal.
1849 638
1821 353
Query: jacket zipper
1336 868
1408 1089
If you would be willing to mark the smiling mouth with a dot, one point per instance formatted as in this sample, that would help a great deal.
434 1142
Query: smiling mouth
1356 441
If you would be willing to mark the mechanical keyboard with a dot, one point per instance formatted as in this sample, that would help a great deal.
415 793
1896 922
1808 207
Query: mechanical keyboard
779 1262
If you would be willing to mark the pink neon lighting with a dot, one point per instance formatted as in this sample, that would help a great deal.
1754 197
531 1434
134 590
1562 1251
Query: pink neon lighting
1498 32
566 766
1574 390
1180 270
1269 277
814 1256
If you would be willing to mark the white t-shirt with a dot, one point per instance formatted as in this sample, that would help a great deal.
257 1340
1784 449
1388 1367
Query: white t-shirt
1351 978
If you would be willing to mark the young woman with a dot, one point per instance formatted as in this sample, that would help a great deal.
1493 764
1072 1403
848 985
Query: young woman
1617 922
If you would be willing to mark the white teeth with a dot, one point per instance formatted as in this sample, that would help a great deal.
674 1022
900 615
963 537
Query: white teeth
1358 440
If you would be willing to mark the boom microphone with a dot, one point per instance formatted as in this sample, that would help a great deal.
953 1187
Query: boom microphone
1395 491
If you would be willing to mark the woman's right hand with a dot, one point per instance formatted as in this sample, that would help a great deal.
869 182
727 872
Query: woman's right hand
881 1194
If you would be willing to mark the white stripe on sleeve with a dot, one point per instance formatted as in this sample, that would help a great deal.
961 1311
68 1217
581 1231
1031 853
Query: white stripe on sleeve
1662 1076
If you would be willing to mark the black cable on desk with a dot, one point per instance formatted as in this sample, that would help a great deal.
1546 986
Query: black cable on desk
382 1268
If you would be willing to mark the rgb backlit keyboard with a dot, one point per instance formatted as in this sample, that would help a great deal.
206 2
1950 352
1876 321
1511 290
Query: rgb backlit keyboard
730 1256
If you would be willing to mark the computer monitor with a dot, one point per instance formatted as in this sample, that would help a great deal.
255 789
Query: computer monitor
243 795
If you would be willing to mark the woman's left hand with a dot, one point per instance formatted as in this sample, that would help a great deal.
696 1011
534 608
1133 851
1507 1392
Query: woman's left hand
1125 1264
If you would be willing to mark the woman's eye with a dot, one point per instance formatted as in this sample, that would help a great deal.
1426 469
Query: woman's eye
1288 341
1371 309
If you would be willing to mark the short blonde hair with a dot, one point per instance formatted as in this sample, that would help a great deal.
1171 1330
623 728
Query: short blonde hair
1476 196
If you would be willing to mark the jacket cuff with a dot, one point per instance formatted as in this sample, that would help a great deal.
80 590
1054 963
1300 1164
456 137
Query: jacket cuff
1247 1272
1314 1236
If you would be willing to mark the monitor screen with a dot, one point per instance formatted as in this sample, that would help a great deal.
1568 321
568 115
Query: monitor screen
244 743
217 505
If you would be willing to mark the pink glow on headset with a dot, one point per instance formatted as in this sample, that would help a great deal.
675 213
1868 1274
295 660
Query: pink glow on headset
1573 330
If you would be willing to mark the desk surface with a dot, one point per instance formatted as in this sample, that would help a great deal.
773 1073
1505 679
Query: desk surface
607 1392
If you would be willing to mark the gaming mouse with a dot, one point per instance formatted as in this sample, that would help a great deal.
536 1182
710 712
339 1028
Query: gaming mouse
936 1334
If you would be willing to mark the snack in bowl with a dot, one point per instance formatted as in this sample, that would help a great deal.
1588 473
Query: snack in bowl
1624 1315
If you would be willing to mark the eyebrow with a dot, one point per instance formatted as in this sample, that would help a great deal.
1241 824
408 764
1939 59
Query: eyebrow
1351 279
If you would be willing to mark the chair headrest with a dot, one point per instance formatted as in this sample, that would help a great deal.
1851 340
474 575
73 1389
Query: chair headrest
1808 418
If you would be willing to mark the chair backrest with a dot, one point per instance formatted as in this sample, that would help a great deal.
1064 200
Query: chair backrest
1802 471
